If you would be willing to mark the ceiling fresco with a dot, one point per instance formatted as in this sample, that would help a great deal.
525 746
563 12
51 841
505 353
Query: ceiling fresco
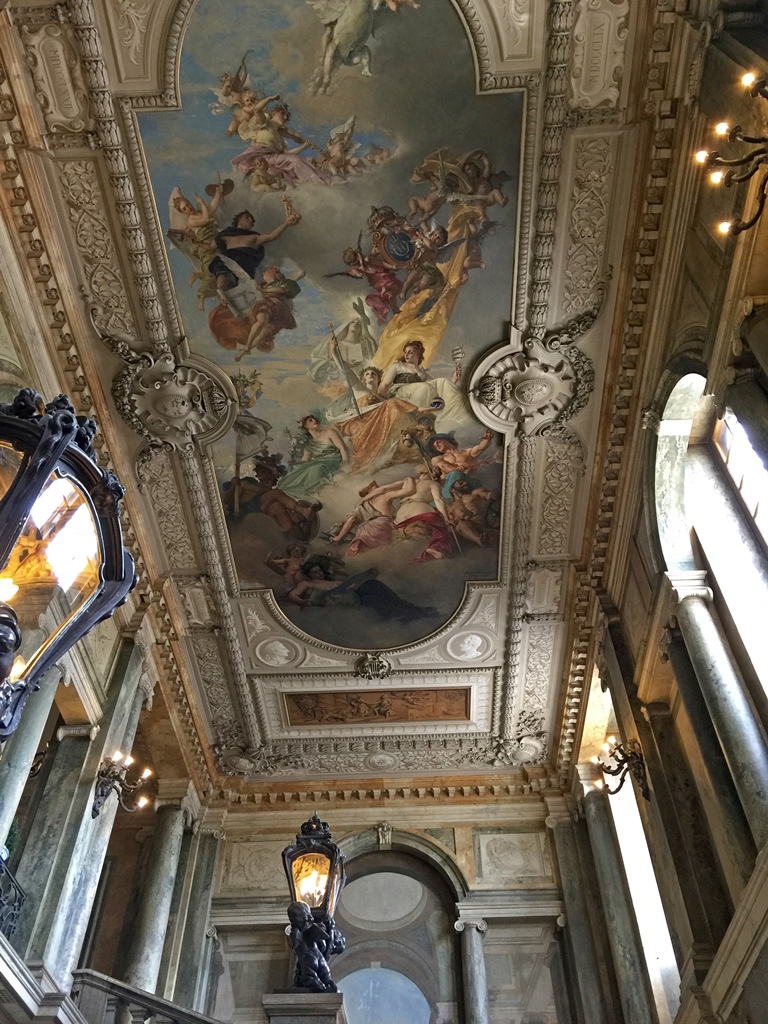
339 210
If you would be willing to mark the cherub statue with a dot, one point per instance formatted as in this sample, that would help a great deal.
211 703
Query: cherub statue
313 942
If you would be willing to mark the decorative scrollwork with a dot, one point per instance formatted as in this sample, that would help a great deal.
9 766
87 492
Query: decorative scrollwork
373 666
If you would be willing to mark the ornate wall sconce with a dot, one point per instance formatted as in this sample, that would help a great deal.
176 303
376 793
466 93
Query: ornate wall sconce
627 760
111 777
750 162
61 544
314 866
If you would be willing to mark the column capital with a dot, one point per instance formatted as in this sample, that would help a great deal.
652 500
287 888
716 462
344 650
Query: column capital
688 583
179 793
561 812
146 688
589 774
471 922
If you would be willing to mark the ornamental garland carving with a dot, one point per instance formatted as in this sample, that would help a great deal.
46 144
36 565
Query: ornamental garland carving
588 224
538 666
367 756
561 473
132 17
211 670
110 309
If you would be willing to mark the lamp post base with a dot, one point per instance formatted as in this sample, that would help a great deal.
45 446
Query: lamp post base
299 1007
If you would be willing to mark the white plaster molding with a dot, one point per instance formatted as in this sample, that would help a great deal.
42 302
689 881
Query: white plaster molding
508 37
511 389
179 793
502 907
273 690
599 40
691 583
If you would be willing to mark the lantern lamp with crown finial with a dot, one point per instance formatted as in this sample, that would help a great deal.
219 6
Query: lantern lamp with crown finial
314 867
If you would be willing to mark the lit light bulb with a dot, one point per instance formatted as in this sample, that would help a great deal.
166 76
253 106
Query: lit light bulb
748 80
612 740
716 177
117 756
146 773
595 759
724 227
722 129
606 747
142 801
19 664
599 783
7 588
128 760
701 156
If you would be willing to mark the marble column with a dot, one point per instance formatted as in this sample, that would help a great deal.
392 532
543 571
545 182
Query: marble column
733 830
187 949
473 970
562 992
19 751
589 990
142 963
64 853
626 946
733 716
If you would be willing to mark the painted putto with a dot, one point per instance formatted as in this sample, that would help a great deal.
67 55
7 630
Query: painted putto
340 223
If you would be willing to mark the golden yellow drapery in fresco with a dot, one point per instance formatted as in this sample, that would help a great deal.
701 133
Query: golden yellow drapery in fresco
429 329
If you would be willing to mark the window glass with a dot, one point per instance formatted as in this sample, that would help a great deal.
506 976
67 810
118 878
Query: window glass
375 995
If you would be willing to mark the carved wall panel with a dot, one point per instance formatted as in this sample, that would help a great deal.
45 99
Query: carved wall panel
588 221
599 40
253 866
503 857
85 205
413 704
560 474
60 85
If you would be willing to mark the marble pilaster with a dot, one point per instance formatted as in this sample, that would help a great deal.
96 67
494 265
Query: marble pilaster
20 749
586 984
64 853
142 964
187 949
473 970
738 730
634 985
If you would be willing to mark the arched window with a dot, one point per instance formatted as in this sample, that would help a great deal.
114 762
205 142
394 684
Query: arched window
402 958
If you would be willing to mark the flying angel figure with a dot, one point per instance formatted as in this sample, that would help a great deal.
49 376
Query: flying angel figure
338 157
349 24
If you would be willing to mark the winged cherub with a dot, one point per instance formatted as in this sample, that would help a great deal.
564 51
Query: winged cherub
348 27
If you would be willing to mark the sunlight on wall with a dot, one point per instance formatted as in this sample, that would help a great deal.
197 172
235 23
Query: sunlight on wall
654 933
728 543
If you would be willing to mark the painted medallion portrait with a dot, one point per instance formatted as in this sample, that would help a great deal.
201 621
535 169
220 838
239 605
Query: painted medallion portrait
339 207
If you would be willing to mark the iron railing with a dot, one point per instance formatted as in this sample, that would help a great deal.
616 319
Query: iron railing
12 898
